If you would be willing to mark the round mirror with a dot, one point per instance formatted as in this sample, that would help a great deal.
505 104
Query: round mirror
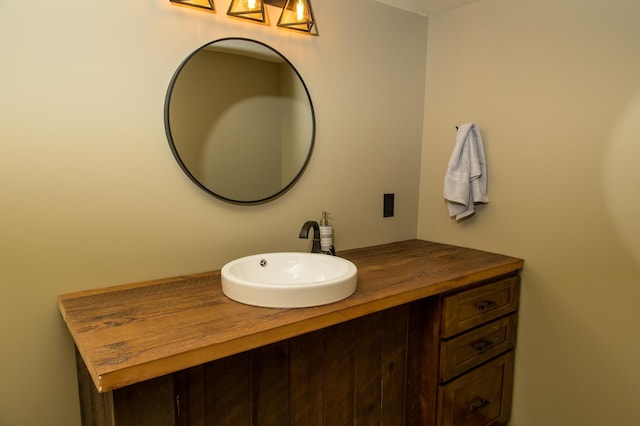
239 120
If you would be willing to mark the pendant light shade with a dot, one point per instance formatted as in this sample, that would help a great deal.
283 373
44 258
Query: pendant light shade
297 15
247 9
203 4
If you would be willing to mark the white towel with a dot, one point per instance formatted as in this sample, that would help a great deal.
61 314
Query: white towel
466 180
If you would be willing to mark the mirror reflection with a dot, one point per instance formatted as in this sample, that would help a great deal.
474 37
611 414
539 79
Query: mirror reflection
239 120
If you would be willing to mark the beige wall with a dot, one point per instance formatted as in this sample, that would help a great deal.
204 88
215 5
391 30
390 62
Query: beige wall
92 196
555 88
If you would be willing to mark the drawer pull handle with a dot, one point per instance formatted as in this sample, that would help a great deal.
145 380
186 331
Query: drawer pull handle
479 405
483 345
486 305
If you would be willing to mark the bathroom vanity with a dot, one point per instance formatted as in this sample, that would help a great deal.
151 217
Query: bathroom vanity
428 338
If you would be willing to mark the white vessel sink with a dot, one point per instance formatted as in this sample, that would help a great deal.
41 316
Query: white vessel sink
289 280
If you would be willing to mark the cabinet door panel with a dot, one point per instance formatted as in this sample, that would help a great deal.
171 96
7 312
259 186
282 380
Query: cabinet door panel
307 381
147 403
471 308
481 397
394 367
339 367
270 384
472 348
368 362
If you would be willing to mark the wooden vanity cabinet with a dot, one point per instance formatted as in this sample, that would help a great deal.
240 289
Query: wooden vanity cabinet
444 361
427 340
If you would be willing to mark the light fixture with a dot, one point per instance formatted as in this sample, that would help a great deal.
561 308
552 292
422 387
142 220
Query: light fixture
203 4
297 15
247 9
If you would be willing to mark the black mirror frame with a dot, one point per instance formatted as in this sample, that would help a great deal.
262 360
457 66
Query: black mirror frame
183 166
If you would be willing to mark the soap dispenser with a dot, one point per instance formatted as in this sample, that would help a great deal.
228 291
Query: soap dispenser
326 234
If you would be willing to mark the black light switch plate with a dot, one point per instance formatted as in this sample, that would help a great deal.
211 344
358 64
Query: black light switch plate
387 210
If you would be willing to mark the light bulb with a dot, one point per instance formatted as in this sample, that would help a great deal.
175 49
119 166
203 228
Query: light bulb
300 10
251 4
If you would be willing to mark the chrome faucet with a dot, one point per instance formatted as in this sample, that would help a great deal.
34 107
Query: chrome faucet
315 248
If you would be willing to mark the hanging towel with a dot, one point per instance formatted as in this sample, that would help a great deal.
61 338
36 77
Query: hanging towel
466 180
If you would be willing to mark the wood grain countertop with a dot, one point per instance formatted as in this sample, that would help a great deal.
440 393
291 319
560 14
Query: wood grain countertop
130 333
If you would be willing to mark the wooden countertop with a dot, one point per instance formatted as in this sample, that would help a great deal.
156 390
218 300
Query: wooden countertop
131 333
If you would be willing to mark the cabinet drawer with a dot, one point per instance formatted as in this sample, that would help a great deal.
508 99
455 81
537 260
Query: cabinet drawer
467 309
472 348
479 398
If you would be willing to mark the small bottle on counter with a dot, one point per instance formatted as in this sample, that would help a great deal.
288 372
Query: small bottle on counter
326 233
